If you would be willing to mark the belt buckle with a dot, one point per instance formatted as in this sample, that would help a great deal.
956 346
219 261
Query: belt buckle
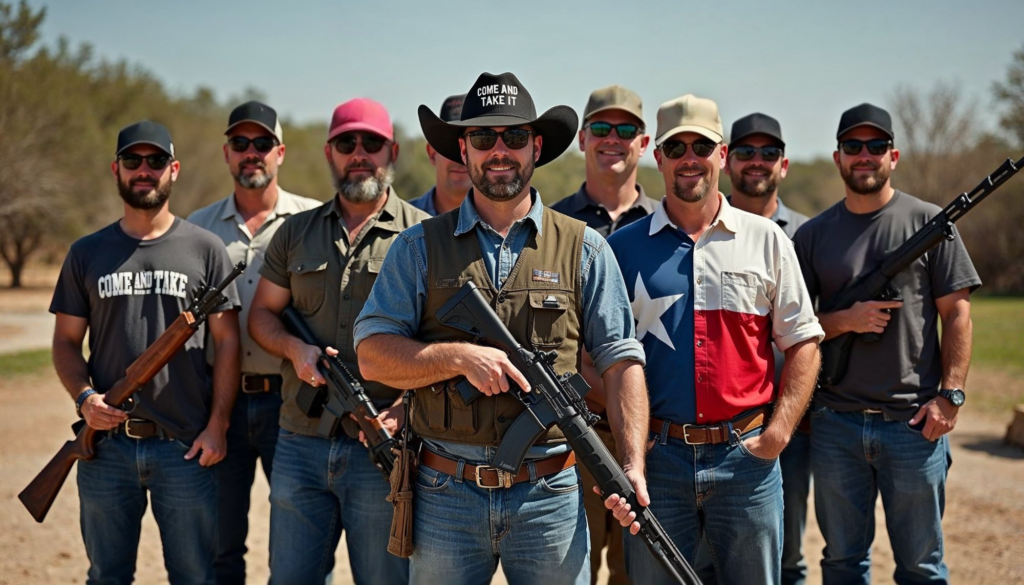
265 389
686 434
128 430
504 478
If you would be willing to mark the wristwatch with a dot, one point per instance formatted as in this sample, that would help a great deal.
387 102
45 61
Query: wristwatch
955 396
81 400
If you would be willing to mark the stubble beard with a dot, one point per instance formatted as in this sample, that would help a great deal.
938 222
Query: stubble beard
866 185
501 189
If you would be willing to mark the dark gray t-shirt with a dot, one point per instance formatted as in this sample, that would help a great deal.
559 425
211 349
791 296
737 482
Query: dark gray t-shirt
131 291
902 371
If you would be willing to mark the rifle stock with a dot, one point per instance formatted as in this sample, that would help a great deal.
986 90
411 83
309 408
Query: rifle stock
42 491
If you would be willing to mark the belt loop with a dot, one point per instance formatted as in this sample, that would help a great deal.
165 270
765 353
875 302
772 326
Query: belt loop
734 435
459 469
532 468
663 436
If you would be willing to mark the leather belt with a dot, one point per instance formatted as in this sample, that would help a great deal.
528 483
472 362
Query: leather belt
260 384
710 434
491 478
140 428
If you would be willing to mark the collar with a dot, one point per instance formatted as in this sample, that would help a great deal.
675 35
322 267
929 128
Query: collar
726 217
581 200
283 207
468 216
783 215
386 217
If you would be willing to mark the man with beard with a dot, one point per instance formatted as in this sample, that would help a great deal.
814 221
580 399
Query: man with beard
554 284
126 284
756 165
246 221
882 428
612 140
712 287
324 262
452 178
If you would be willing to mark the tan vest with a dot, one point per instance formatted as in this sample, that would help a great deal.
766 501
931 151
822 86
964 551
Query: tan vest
539 303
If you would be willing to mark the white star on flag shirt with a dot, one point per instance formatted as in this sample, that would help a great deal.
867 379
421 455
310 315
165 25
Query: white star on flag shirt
648 312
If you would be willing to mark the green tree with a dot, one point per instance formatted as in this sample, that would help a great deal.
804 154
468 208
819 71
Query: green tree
1011 94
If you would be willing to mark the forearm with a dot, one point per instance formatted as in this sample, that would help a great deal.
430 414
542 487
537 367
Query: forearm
834 324
799 373
628 411
957 336
269 332
71 367
597 396
401 362
227 374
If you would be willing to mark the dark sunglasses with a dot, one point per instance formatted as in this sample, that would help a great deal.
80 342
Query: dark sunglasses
346 143
157 162
676 149
768 153
625 131
876 147
262 143
514 138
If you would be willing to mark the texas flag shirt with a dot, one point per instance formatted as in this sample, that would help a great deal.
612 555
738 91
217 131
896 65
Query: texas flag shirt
707 311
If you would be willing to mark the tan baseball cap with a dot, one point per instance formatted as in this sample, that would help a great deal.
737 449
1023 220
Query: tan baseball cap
689 114
614 97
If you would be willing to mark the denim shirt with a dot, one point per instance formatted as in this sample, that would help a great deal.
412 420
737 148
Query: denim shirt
399 295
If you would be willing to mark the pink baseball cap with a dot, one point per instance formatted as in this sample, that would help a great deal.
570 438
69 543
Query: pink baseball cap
361 114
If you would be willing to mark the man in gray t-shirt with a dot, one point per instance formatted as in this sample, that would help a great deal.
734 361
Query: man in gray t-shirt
125 285
881 429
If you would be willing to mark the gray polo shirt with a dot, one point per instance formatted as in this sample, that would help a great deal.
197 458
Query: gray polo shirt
223 219
580 206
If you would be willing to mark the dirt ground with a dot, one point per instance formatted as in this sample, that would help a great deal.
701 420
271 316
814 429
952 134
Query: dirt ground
984 522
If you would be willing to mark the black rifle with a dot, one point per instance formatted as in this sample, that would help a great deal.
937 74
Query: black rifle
344 396
876 284
555 400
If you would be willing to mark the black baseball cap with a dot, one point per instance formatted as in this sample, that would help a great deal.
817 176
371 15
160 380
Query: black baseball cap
258 113
865 115
145 132
451 109
756 123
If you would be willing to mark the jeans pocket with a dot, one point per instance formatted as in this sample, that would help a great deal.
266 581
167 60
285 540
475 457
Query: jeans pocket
182 445
746 452
432 481
563 482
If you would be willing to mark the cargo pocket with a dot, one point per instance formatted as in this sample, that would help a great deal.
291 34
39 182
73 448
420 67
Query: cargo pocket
739 292
461 415
548 322
308 282
434 400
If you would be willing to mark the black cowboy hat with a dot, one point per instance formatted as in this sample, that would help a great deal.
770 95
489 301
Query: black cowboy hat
500 100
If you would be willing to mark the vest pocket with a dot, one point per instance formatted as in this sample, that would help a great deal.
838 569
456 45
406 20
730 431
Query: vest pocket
308 276
461 415
435 401
548 322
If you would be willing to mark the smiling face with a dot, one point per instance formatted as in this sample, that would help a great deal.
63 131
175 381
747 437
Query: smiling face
501 173
865 173
691 178
612 154
756 177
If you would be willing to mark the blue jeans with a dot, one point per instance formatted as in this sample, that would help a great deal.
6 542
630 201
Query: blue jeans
795 463
537 529
854 457
722 493
252 436
112 491
319 488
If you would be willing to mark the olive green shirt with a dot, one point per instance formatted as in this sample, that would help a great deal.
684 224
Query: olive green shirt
223 219
330 281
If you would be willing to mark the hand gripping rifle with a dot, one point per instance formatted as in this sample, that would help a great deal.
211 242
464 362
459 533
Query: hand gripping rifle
40 494
555 400
344 396
876 284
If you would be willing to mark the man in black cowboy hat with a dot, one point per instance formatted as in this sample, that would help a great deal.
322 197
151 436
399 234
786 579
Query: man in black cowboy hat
554 283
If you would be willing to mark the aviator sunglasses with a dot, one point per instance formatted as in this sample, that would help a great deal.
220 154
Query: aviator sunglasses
746 152
625 131
346 143
262 143
514 138
676 149
157 162
876 147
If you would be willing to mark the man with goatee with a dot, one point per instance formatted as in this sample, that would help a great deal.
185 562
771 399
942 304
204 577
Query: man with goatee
246 221
125 284
882 427
553 282
324 262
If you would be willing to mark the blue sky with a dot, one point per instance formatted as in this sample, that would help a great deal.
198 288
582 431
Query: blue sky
802 62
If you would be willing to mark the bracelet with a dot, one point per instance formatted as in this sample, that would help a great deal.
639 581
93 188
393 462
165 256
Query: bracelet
81 400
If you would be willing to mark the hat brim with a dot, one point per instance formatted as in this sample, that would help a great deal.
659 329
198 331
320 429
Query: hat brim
706 133
357 127
611 108
257 122
736 139
871 124
558 127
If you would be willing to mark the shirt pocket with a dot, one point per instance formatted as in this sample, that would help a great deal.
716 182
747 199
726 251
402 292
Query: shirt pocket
549 323
739 292
365 277
308 282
